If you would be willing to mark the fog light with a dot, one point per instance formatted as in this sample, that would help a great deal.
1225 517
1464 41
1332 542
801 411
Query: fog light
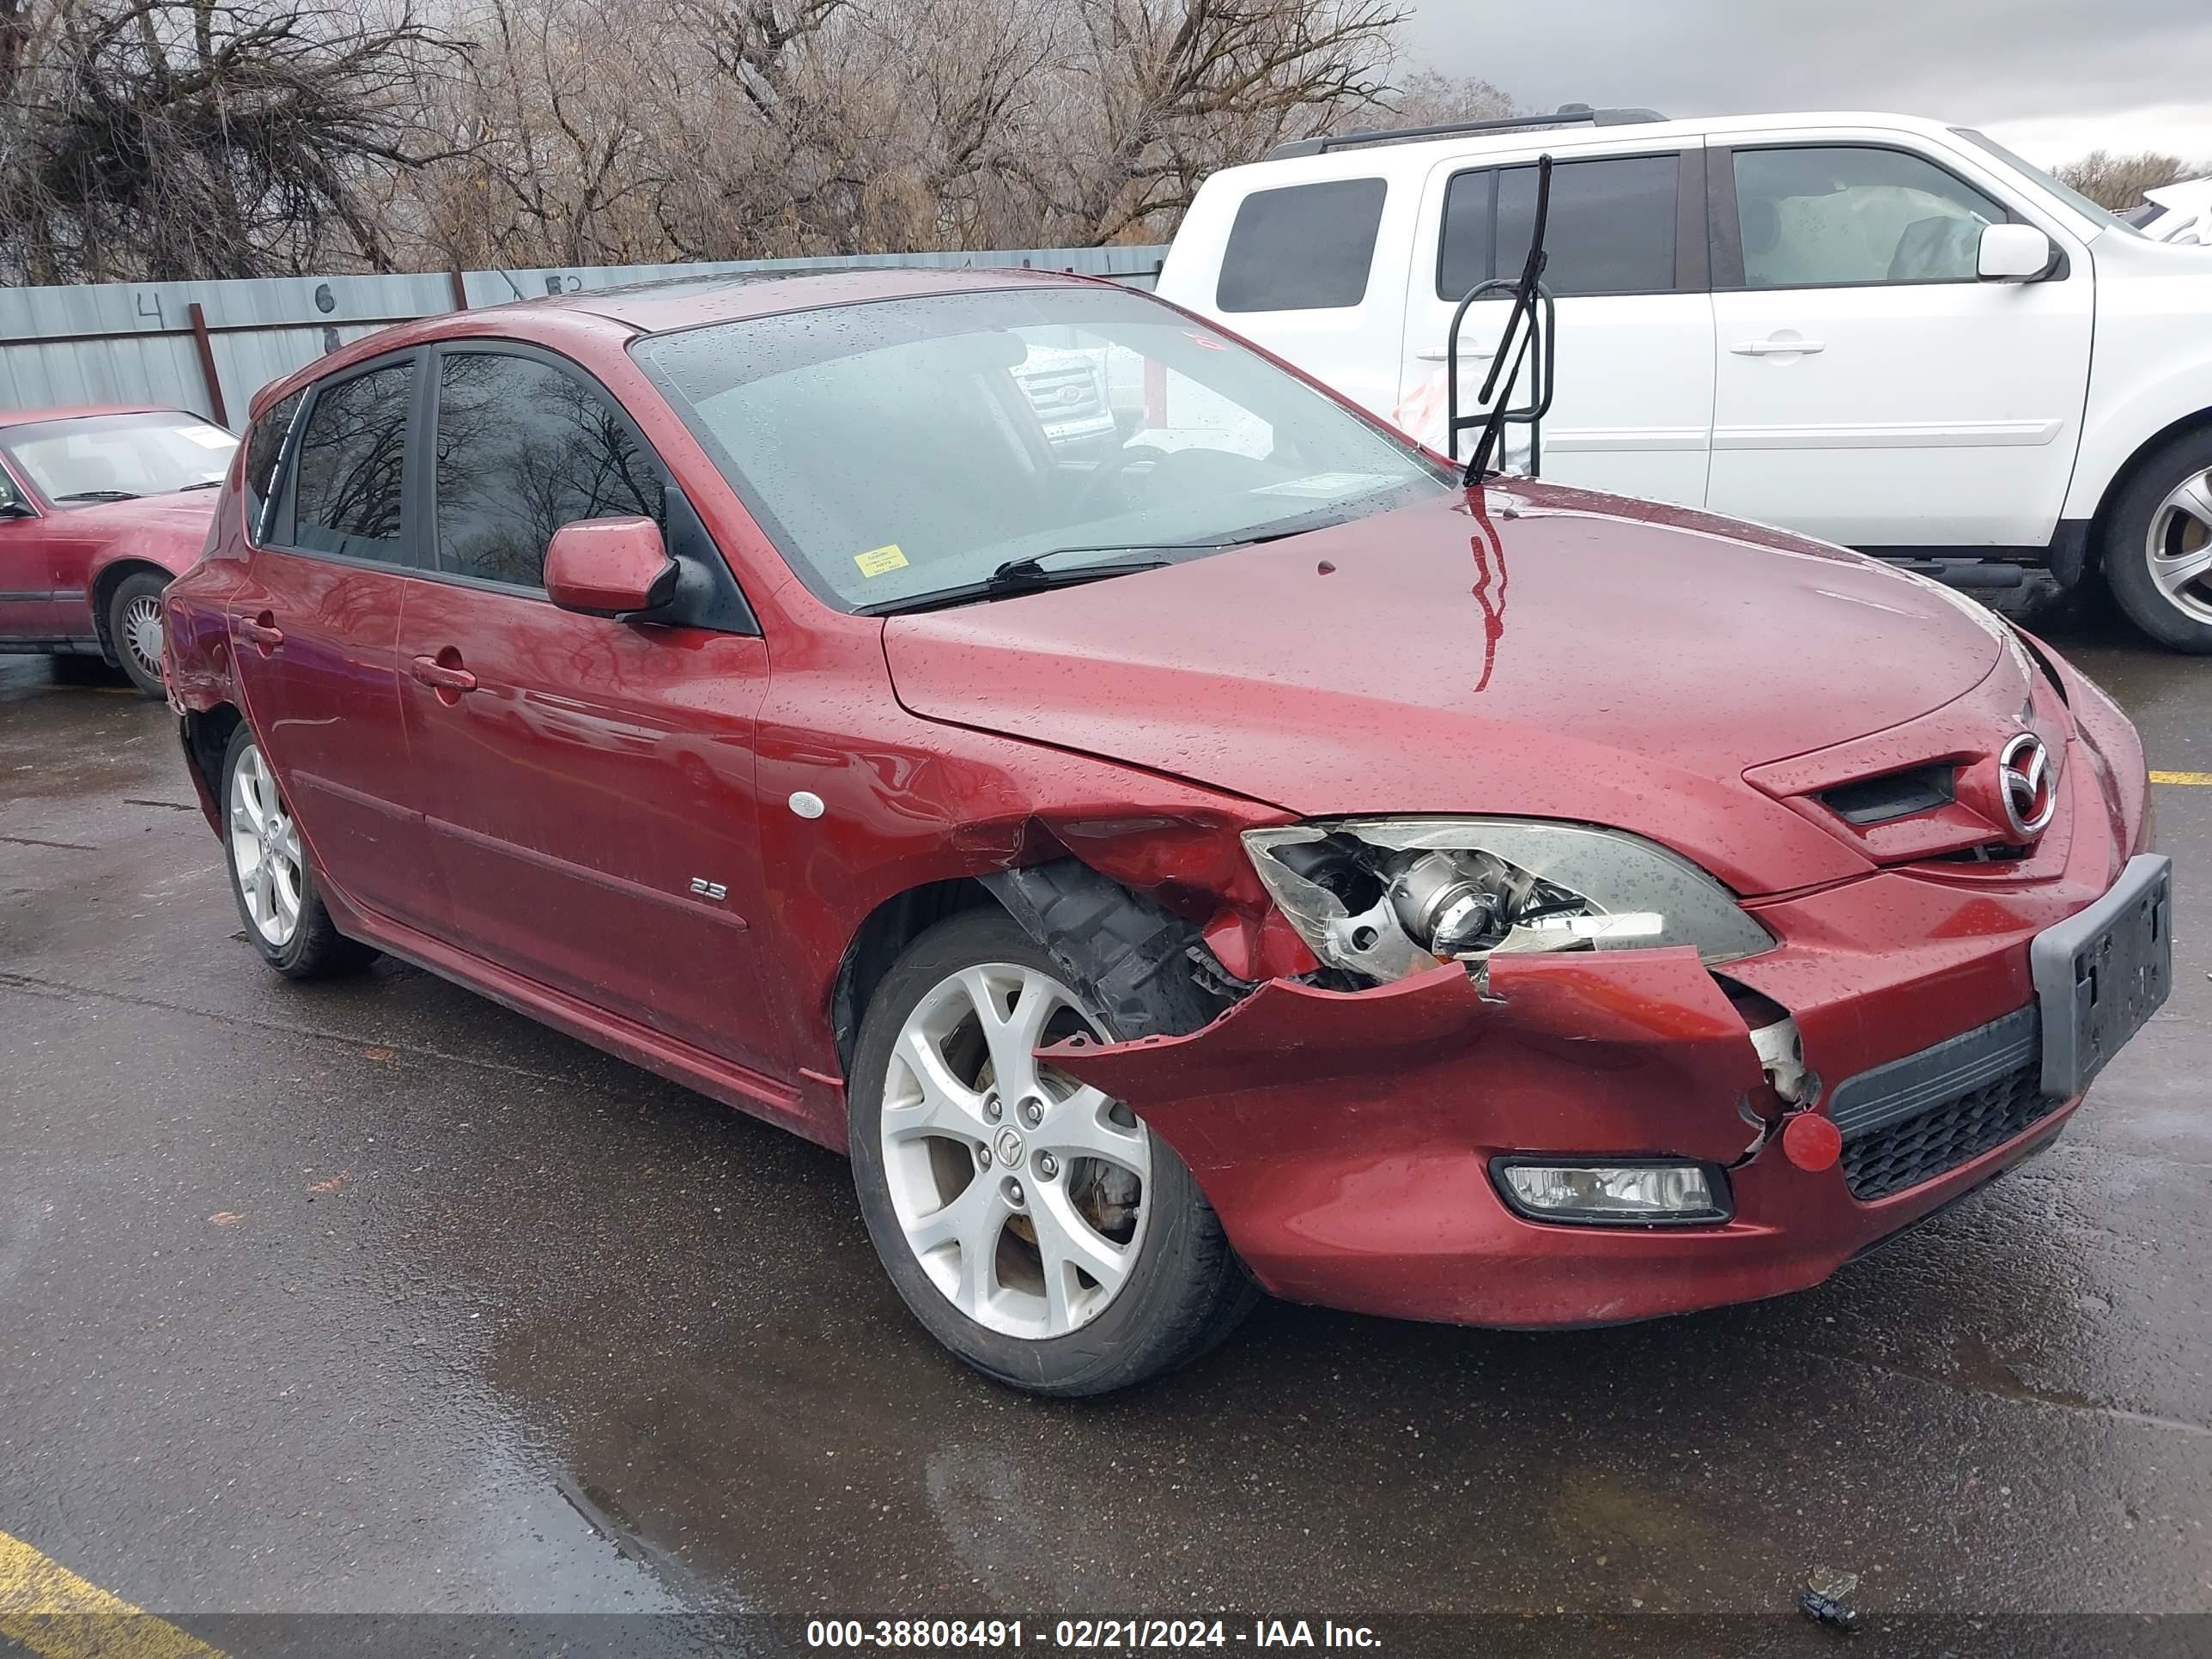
1612 1193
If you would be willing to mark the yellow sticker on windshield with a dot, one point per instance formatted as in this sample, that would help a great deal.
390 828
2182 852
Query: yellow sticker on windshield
880 561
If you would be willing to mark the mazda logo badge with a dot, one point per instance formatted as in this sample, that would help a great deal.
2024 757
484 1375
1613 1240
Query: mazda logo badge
2026 785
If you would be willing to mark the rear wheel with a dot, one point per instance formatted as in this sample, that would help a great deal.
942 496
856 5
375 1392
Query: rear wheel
271 877
134 628
2158 545
1035 1226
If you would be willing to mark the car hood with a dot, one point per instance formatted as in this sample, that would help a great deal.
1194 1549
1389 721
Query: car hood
1555 653
169 530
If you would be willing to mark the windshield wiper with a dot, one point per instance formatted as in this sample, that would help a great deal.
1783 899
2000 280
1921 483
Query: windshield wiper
206 484
98 496
1015 576
1513 348
1030 574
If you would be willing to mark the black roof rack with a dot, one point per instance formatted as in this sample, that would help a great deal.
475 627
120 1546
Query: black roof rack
1566 115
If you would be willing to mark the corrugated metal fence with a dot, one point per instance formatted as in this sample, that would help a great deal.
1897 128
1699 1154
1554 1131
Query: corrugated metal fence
210 346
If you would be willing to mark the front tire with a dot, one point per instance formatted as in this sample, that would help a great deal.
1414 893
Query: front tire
1036 1228
2158 546
272 877
134 629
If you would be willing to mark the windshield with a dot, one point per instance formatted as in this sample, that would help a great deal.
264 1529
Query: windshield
111 457
907 447
2089 209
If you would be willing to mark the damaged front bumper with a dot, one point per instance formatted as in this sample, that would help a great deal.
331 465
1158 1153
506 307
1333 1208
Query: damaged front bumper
1348 1140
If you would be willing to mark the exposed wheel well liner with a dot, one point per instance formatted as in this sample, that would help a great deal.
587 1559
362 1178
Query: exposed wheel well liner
207 739
1131 958
889 928
1126 954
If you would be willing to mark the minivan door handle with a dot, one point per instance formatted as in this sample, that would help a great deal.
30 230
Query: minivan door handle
1777 348
448 680
261 631
1438 354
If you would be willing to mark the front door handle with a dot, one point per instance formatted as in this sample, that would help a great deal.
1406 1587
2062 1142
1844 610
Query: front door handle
442 678
1439 354
260 631
1777 348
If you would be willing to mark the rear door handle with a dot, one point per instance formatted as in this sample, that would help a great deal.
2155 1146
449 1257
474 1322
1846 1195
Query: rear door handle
441 678
261 631
1439 354
1777 348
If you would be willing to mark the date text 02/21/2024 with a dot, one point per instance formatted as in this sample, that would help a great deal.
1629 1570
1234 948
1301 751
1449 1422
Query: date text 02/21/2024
1085 1634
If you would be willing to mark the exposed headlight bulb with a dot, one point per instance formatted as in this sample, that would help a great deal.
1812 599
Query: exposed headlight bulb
1446 907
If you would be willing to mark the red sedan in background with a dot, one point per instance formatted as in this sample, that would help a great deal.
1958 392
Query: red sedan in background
99 509
1236 851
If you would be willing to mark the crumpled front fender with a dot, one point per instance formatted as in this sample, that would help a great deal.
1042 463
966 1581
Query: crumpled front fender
1325 1125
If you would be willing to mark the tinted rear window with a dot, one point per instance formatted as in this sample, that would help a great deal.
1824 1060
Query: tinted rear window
1611 228
264 447
1307 247
351 459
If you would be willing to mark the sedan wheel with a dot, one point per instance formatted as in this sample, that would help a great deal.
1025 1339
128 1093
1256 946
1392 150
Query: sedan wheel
134 628
1020 1191
1030 1222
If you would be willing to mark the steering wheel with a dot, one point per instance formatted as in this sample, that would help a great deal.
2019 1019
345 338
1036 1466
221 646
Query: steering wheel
1108 471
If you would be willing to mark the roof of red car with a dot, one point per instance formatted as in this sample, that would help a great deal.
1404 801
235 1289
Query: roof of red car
687 302
675 302
74 412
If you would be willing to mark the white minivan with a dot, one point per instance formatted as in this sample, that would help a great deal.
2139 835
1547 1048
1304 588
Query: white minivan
1885 331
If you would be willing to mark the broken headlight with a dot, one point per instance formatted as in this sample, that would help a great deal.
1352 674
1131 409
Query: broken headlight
1386 898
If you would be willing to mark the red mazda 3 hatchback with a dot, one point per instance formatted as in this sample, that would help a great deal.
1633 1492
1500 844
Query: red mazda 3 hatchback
1172 833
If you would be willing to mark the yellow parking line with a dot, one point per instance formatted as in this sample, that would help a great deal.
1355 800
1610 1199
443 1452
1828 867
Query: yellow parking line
50 1610
2197 779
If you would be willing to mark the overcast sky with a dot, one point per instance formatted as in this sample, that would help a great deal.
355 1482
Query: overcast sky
2051 78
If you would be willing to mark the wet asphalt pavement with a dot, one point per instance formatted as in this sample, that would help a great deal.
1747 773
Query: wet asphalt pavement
374 1298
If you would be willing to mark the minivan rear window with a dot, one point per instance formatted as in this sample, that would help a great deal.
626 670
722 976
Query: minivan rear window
1303 247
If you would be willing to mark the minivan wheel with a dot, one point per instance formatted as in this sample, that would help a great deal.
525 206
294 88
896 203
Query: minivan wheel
2158 546
1036 1228
272 877
134 628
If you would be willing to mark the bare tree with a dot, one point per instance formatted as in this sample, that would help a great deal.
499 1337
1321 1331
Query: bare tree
2118 181
183 138
1426 98
227 137
1155 94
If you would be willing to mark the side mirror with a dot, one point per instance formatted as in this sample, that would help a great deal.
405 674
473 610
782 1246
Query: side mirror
12 504
2015 253
609 568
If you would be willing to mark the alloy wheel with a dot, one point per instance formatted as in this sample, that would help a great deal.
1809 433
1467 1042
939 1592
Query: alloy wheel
264 849
2180 547
1021 1192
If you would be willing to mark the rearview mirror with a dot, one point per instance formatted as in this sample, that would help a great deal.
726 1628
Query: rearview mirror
2015 253
609 568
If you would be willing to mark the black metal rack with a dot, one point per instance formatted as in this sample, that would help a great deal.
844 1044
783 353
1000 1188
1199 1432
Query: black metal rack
1566 115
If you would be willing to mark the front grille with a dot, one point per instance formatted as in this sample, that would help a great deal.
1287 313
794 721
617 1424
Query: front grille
1062 394
1921 1148
1919 1117
1893 795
